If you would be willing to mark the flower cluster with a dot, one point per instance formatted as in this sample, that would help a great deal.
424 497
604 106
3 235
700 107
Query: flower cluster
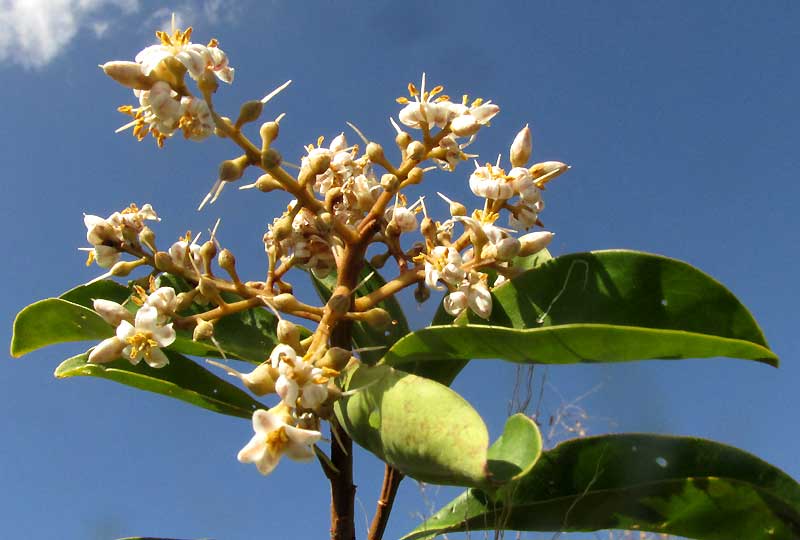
157 79
111 236
138 336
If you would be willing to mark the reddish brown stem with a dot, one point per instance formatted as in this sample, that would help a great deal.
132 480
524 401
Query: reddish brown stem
391 481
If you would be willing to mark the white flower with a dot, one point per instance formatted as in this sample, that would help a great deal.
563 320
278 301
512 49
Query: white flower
164 300
491 182
106 235
178 254
112 312
143 338
273 438
473 293
196 120
523 217
195 57
455 302
427 109
467 120
298 379
443 263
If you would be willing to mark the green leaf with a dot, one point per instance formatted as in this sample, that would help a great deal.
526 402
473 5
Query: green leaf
365 335
516 451
248 335
422 428
672 485
180 379
606 306
54 320
104 288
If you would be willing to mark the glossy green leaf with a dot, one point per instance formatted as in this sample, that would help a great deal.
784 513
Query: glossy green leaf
365 335
54 320
181 379
673 485
598 307
422 428
248 335
104 288
516 451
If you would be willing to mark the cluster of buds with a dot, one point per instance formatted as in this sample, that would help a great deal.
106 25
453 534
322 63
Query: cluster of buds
157 78
341 208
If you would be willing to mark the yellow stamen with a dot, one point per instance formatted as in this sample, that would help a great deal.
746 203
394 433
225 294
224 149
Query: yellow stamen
412 90
90 258
402 100
213 43
141 343
436 90
277 440
320 140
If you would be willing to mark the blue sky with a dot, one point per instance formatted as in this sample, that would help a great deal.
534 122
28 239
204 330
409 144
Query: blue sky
679 120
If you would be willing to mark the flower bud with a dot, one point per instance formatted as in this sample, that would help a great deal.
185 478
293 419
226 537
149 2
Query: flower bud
282 228
270 158
339 303
232 169
546 171
507 249
324 222
375 152
249 112
207 288
402 140
422 293
534 242
128 74
521 148
108 350
207 82
390 182
260 381
184 300
464 125
285 302
207 252
148 237
267 183
334 358
203 330
415 175
289 334
112 312
269 132
163 261
378 318
319 162
123 268
415 151
227 261
379 260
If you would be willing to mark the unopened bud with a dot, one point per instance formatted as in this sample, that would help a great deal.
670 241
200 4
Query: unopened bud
546 171
260 381
421 293
457 209
282 228
415 151
208 251
415 175
379 260
267 183
390 182
184 300
249 112
232 169
375 152
123 268
339 303
334 358
163 261
289 334
285 302
269 132
427 227
507 249
324 222
402 140
203 330
171 71
521 148
128 74
112 312
207 288
148 237
464 125
319 162
227 261
534 242
270 158
377 318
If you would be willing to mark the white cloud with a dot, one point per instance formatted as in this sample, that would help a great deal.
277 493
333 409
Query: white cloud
34 32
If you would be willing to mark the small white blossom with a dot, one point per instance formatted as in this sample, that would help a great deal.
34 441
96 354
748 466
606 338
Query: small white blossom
467 120
179 256
491 182
195 57
427 109
443 263
273 438
164 300
112 312
298 379
143 338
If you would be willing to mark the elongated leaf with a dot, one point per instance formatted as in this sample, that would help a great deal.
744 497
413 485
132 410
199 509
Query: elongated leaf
54 320
674 485
248 335
365 335
598 307
420 427
104 288
180 379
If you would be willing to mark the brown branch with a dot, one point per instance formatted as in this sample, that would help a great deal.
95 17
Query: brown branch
391 481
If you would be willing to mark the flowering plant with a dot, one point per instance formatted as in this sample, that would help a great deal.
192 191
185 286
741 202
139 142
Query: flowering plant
353 367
